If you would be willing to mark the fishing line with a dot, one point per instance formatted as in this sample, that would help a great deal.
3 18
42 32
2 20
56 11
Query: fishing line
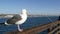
49 19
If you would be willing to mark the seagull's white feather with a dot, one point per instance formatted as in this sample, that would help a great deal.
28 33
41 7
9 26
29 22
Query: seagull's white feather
23 17
18 19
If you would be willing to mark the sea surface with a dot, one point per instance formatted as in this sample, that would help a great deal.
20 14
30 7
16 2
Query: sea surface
30 22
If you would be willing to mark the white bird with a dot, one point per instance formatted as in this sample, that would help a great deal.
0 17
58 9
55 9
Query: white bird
18 19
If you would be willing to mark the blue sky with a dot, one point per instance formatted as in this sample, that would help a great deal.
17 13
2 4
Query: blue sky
42 7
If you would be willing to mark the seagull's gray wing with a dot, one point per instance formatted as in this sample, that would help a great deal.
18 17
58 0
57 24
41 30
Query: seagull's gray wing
14 19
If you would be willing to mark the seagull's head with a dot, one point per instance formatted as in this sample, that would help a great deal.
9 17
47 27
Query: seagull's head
24 11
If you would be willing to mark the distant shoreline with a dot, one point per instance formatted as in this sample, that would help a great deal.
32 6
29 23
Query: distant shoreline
3 15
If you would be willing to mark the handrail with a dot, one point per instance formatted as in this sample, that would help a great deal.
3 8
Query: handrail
54 30
35 30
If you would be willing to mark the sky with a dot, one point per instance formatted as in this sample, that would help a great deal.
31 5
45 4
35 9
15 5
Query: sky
41 7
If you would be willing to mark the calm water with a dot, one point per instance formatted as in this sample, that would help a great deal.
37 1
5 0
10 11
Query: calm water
31 22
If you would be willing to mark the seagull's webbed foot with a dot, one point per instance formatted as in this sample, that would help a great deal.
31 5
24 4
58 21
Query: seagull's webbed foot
20 30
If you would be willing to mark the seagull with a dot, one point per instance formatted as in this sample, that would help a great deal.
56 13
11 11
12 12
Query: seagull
18 19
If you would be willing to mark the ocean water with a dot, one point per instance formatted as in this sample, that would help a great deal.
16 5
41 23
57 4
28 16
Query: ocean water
30 22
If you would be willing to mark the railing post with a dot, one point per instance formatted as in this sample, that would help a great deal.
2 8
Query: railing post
59 18
50 29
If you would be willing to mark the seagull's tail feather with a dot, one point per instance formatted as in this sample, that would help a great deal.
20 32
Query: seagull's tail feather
7 23
2 24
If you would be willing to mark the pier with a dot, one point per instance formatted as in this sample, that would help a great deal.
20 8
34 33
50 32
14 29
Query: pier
51 27
38 29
